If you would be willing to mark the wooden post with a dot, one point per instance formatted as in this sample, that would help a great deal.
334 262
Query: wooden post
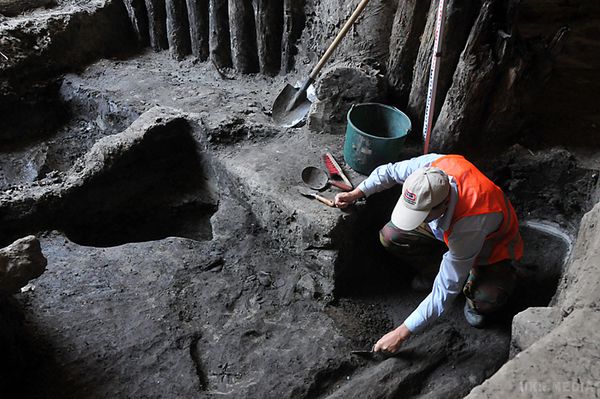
219 43
462 113
178 30
293 22
459 20
409 22
157 24
243 36
269 31
138 15
198 21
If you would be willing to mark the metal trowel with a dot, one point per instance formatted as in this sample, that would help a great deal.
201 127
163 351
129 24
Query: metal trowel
311 194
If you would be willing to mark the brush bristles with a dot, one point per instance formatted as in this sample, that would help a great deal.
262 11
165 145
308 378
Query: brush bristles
330 166
334 168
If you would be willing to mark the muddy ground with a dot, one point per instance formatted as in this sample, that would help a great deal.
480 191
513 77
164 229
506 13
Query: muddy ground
181 260
229 301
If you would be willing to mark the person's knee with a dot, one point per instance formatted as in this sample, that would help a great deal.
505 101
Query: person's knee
403 243
390 246
487 297
387 234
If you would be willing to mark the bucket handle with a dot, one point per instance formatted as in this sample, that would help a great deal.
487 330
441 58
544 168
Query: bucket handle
410 128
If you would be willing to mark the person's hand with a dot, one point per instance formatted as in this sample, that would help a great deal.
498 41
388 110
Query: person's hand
343 200
390 342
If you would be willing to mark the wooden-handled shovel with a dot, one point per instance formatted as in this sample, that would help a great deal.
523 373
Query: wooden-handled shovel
292 105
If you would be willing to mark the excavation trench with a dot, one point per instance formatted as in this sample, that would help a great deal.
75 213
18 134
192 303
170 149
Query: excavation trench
161 190
152 219
182 261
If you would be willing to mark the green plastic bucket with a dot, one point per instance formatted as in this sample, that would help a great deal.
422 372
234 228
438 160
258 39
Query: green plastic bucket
375 134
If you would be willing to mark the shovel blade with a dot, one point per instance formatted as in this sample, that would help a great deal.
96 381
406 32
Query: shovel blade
285 112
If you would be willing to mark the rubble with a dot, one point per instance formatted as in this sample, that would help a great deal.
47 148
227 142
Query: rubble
20 262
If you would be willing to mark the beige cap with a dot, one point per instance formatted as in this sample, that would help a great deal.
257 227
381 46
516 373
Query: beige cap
424 189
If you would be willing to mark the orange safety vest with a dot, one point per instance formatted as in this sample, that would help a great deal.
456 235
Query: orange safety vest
477 195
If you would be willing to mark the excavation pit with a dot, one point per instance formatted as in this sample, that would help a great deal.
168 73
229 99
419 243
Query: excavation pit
235 296
183 263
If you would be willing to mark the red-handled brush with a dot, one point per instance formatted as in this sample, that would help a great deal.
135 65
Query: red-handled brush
335 172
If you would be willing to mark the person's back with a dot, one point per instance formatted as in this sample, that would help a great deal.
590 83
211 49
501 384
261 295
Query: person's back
479 195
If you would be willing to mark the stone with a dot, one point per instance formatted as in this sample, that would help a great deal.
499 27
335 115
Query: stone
562 364
20 262
306 286
264 278
580 285
530 325
341 86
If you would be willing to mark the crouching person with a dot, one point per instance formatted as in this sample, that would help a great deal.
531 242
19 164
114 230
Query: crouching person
447 201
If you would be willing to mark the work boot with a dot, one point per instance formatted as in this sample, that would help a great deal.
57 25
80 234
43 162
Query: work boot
421 283
474 318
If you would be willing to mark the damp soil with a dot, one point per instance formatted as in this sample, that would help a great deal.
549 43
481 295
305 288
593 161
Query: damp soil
234 315
178 299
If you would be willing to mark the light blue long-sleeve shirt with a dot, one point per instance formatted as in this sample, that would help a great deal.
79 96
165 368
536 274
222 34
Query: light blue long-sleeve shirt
464 243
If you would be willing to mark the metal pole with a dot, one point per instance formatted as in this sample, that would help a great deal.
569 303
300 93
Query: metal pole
433 74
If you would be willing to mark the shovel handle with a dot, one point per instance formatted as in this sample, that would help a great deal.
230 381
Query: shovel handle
338 39
324 200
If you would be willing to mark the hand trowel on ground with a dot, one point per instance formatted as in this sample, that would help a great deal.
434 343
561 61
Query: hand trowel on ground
312 194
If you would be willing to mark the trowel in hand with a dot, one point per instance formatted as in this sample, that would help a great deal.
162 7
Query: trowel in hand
292 104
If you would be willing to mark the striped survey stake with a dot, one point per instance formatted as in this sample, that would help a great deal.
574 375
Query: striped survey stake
433 74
